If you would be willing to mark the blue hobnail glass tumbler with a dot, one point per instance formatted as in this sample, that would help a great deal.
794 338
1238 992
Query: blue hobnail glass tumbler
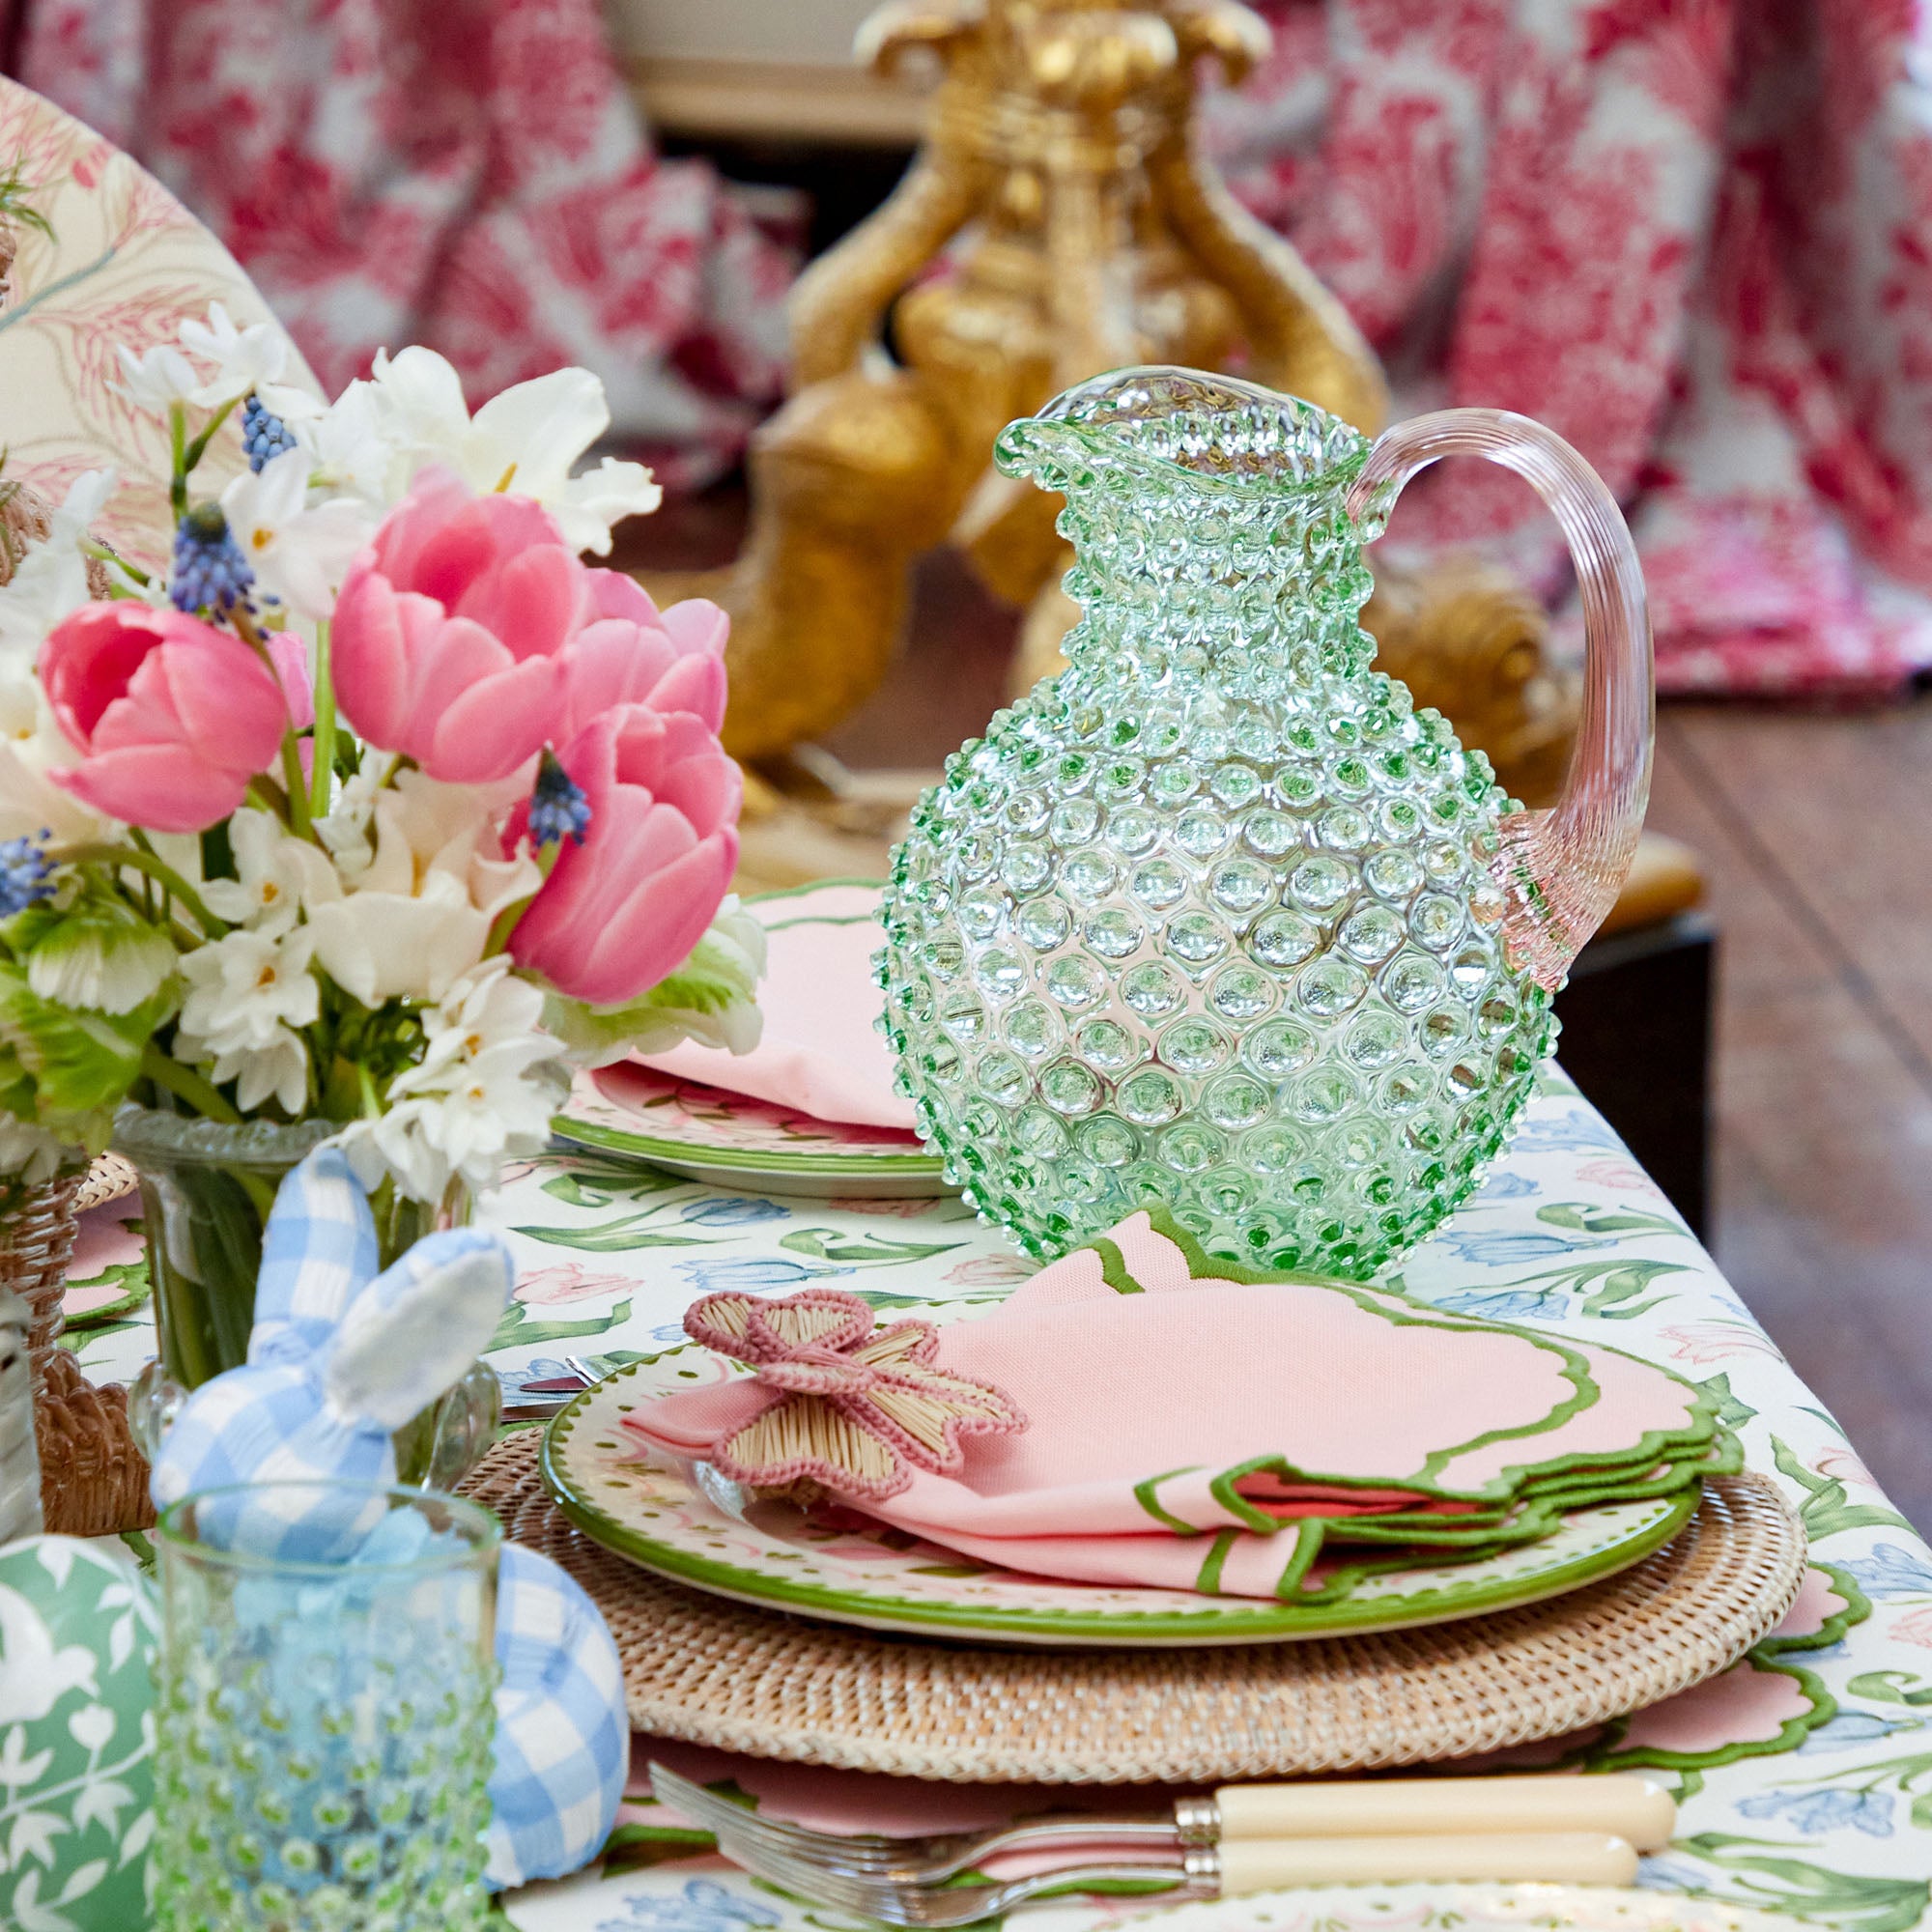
326 1710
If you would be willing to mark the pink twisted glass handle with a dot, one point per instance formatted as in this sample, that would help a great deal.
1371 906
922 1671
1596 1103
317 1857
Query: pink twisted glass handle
1561 869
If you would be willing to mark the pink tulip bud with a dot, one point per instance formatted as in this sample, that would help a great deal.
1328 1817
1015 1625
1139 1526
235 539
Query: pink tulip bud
448 633
623 908
170 716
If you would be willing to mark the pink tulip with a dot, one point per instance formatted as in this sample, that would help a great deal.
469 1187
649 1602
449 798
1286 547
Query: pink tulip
629 652
172 717
448 635
626 906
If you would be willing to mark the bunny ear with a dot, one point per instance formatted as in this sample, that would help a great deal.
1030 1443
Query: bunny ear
421 1323
317 1252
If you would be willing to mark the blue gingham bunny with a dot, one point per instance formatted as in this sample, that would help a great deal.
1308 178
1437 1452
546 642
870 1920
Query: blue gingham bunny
340 1356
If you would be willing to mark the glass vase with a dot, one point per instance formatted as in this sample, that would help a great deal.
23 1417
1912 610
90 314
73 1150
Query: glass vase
206 1191
326 1718
1217 919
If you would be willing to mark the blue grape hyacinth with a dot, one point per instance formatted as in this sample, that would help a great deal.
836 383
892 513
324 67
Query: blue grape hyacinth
264 436
210 572
23 873
558 807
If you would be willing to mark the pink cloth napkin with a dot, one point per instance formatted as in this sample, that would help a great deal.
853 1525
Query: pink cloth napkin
1164 1403
819 1052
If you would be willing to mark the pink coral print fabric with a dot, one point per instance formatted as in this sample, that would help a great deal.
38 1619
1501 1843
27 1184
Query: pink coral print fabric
1191 1375
1692 235
470 175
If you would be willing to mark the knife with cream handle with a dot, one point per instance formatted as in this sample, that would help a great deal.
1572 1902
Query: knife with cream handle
1622 1804
1572 1858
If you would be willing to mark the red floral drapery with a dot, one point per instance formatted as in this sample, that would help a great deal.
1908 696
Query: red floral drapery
1694 237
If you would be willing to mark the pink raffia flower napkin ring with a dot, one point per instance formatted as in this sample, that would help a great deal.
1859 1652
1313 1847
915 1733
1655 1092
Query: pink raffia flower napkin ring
853 1408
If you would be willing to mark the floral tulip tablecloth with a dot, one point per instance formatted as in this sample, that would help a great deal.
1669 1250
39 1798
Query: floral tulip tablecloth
1805 1772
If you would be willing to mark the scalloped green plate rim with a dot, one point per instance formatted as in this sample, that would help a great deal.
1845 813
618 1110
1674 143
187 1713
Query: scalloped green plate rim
1219 1620
747 1160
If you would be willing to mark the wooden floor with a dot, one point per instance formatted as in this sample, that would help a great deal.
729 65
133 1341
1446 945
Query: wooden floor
1816 834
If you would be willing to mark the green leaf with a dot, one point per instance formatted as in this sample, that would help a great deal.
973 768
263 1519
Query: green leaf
1886 1686
1593 1220
828 1244
580 1187
518 1327
81 1064
1731 1413
98 954
1848 1901
614 1237
1827 1509
711 997
1629 1310
948 1569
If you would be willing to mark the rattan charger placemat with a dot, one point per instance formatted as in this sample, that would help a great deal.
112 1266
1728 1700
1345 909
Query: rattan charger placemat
714 1672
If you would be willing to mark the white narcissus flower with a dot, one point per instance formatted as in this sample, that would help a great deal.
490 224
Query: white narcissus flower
32 744
275 873
297 551
247 992
49 581
158 380
484 1094
247 360
378 433
407 907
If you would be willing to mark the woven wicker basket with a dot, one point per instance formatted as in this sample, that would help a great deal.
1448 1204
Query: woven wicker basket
94 1481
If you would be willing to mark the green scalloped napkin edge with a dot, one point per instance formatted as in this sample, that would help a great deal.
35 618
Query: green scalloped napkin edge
1655 1448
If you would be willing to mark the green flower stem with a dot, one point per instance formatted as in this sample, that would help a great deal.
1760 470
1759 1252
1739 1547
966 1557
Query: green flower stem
270 796
293 808
178 450
100 551
503 924
296 784
140 859
198 448
185 1084
325 725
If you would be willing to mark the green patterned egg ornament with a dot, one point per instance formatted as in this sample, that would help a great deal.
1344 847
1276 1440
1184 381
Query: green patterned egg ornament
78 1635
1216 917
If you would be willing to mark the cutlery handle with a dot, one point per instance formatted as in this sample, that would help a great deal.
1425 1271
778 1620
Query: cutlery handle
1575 1857
1622 1804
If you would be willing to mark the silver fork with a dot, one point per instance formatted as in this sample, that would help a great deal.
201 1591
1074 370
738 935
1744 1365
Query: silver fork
1203 1871
929 1859
925 1903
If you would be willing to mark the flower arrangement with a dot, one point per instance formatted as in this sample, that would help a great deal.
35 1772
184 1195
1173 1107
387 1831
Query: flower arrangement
379 807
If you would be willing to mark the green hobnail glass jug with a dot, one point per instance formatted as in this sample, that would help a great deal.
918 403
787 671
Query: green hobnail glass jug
1217 918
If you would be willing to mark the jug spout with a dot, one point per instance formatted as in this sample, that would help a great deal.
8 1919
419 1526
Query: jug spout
1183 429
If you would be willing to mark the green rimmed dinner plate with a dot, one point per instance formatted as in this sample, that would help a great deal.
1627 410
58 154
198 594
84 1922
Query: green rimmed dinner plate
730 1140
686 1522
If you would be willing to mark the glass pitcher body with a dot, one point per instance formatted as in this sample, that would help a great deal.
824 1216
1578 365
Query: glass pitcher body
1216 919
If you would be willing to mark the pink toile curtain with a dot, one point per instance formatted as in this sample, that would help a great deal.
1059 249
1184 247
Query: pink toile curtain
1694 237
468 174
